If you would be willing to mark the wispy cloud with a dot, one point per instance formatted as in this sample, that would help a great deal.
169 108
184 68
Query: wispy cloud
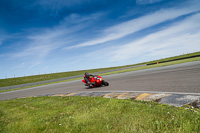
142 2
134 25
40 43
77 19
38 51
3 36
56 6
172 40
34 64
71 61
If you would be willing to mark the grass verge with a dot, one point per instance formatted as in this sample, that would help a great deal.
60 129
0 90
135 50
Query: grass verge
93 114
180 57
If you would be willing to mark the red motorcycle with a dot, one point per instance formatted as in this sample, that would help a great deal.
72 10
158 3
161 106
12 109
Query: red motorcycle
96 81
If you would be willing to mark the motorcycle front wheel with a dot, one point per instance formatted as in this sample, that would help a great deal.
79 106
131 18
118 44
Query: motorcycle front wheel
105 83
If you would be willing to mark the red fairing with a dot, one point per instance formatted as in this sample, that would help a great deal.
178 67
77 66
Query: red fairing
83 81
96 81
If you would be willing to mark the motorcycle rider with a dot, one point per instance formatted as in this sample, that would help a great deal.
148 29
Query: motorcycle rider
87 78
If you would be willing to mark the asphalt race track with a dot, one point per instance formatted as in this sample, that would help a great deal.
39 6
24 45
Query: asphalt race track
180 78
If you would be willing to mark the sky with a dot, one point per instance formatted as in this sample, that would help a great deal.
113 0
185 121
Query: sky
50 36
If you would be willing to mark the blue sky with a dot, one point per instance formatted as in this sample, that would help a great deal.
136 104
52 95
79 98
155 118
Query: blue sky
49 36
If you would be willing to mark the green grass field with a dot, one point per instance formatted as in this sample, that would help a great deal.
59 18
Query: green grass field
94 115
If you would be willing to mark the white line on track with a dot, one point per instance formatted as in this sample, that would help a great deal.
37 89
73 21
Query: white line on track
38 87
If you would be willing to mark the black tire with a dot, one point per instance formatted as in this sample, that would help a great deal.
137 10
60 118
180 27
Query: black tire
105 83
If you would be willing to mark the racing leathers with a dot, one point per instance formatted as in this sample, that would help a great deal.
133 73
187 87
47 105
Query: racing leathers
87 78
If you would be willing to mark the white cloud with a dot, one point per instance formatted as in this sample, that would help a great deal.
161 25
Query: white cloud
134 25
174 40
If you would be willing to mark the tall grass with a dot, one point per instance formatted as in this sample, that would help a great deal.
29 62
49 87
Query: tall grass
94 114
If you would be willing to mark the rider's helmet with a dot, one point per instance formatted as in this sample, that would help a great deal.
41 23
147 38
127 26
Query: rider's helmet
87 75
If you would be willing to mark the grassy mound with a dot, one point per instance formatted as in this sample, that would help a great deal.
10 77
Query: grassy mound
94 114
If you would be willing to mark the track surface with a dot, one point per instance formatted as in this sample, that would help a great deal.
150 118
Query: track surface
176 78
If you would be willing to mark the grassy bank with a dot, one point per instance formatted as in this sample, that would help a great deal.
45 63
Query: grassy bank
175 58
37 78
154 66
94 114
